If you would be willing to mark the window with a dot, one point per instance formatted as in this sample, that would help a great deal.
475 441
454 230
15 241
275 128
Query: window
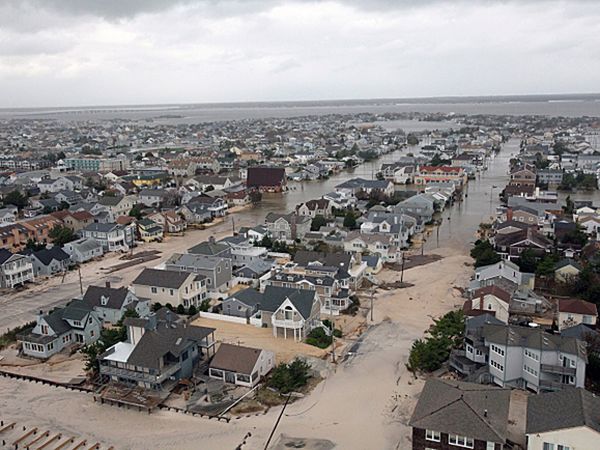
431 435
497 350
530 371
460 441
44 329
490 446
548 446
494 364
531 355
153 290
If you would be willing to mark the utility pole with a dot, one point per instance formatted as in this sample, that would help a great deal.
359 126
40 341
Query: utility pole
402 272
372 293
233 224
422 246
80 282
332 331
439 223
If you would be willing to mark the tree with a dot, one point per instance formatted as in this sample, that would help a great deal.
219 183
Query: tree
445 334
546 266
16 198
255 197
319 338
528 261
34 245
61 235
287 378
318 222
205 305
411 139
266 242
438 161
136 212
180 309
350 220
192 310
484 253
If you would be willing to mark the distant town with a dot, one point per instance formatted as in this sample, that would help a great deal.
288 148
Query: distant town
238 284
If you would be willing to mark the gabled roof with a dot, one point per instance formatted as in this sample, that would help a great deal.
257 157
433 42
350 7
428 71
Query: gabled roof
115 296
107 200
567 262
171 279
235 358
305 258
209 248
466 409
493 290
568 408
302 299
45 256
265 176
576 306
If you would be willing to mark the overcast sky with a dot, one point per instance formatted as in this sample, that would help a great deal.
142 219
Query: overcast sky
99 52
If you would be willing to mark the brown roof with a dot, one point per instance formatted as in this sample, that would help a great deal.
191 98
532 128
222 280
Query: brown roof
235 358
572 305
265 176
493 290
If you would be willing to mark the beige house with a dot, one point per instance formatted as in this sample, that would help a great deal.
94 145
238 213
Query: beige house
170 286
489 299
563 420
572 312
566 271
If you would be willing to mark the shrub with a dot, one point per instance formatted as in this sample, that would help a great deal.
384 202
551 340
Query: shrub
319 338
289 377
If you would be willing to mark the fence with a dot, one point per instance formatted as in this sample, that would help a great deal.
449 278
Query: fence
224 318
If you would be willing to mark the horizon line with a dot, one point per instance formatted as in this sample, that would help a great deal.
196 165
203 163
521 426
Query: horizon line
441 99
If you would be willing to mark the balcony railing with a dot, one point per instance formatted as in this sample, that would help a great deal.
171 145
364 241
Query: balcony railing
296 324
551 368
549 385
140 376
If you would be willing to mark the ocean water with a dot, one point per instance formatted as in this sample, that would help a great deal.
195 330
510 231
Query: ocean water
555 105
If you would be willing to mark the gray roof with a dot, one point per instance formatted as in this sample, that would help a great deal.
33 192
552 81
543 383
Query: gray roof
305 258
568 408
101 227
162 337
196 261
116 296
209 248
249 297
536 338
85 244
466 409
172 279
302 299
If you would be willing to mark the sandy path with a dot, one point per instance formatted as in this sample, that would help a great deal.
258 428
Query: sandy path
365 404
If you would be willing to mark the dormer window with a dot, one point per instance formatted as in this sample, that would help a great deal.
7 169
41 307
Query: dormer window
104 300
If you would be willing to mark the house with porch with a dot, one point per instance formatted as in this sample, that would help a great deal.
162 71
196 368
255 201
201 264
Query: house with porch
15 269
159 351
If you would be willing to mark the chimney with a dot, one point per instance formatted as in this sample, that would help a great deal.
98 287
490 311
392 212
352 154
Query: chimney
509 214
485 413
108 284
211 239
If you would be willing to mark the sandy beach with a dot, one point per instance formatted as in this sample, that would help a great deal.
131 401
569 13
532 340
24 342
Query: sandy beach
364 404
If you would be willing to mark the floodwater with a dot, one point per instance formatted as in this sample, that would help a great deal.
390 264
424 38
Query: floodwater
459 222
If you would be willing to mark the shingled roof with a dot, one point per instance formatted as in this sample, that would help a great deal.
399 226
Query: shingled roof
568 408
235 358
466 409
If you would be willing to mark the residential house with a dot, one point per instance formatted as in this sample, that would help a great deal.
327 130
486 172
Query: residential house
74 220
243 303
216 270
15 269
507 270
49 185
112 236
217 207
566 271
242 366
287 227
171 222
159 351
211 248
356 185
314 208
75 323
397 172
292 313
349 269
380 244
420 205
489 300
83 250
110 304
572 312
440 174
550 177
453 414
48 261
196 213
171 286
117 205
153 197
8 215
150 231
529 358
564 420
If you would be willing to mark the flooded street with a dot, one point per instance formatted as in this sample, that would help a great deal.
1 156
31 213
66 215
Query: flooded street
460 222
